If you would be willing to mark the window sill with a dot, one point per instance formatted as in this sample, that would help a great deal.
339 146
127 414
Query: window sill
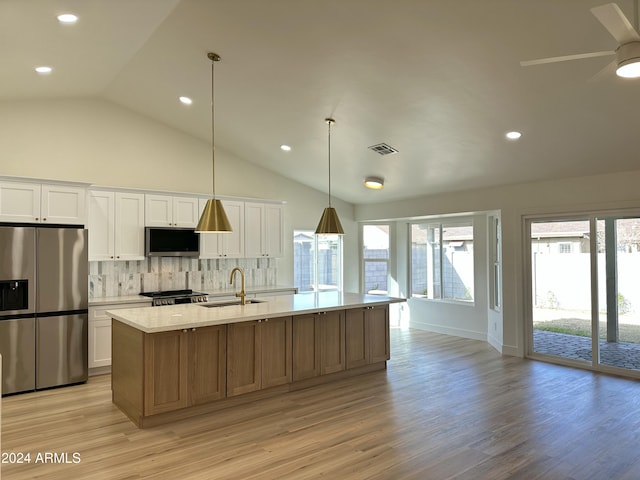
449 301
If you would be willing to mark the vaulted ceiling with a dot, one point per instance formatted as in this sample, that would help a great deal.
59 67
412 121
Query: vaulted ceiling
439 80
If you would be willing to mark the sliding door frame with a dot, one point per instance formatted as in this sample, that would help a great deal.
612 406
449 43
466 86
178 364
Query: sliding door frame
591 217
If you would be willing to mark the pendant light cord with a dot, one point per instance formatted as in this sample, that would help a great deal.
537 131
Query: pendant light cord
329 121
214 57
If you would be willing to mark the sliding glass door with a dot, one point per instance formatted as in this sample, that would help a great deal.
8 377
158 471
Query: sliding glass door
584 277
619 291
561 288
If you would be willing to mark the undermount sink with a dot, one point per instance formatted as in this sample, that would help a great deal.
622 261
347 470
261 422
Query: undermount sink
229 303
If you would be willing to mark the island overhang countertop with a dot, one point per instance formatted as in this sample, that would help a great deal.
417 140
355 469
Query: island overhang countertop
195 315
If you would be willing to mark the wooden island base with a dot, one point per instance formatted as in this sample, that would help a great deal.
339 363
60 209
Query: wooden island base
166 376
142 421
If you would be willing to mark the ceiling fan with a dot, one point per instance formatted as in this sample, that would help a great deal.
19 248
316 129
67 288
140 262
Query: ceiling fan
627 62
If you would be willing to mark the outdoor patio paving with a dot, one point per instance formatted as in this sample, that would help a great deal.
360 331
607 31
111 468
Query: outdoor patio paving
620 354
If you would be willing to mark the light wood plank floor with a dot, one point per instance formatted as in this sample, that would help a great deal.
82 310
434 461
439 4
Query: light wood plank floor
445 408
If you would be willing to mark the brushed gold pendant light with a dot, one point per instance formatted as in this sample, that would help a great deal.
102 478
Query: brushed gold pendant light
329 222
213 219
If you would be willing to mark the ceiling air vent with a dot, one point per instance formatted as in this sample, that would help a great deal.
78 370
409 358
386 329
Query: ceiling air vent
383 149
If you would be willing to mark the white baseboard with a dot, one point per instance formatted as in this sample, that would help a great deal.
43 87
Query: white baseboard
456 332
99 370
495 343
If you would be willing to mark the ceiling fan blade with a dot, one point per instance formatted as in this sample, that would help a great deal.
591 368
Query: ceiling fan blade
607 72
616 23
564 58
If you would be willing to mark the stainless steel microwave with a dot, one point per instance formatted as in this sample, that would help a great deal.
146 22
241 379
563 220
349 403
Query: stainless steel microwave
171 242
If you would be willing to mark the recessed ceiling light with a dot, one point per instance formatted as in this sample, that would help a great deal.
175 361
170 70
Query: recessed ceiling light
67 18
44 69
513 135
374 183
285 148
186 100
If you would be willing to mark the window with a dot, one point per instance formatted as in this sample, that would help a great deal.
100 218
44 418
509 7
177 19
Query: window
495 280
442 260
317 261
564 247
375 258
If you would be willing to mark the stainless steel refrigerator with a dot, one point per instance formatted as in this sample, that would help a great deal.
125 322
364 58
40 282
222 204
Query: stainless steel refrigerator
43 307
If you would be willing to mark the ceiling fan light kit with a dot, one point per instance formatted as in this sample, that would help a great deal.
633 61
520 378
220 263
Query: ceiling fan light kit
628 60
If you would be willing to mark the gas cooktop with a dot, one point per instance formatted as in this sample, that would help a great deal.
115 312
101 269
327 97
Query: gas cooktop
174 297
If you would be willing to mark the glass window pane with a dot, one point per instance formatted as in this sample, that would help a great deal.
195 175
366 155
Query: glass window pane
375 254
303 261
442 261
375 277
618 279
376 241
434 261
418 260
317 261
457 261
329 262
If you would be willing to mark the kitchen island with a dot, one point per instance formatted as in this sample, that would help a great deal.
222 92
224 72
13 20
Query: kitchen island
177 361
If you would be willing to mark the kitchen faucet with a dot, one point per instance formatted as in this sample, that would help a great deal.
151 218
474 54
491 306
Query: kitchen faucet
242 293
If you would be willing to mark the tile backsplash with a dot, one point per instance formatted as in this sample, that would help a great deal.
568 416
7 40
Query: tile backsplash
111 279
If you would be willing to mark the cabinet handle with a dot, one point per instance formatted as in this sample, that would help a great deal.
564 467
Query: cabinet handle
36 218
193 329
111 256
266 319
184 330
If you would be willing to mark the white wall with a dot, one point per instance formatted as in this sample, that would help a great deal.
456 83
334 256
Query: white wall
583 194
101 143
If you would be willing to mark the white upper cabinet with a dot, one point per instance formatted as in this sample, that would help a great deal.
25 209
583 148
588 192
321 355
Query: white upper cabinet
171 211
116 225
225 245
264 230
42 203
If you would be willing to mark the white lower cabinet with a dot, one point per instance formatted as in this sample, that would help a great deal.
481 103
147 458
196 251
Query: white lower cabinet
100 333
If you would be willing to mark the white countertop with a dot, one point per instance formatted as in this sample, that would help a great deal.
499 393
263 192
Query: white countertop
176 317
